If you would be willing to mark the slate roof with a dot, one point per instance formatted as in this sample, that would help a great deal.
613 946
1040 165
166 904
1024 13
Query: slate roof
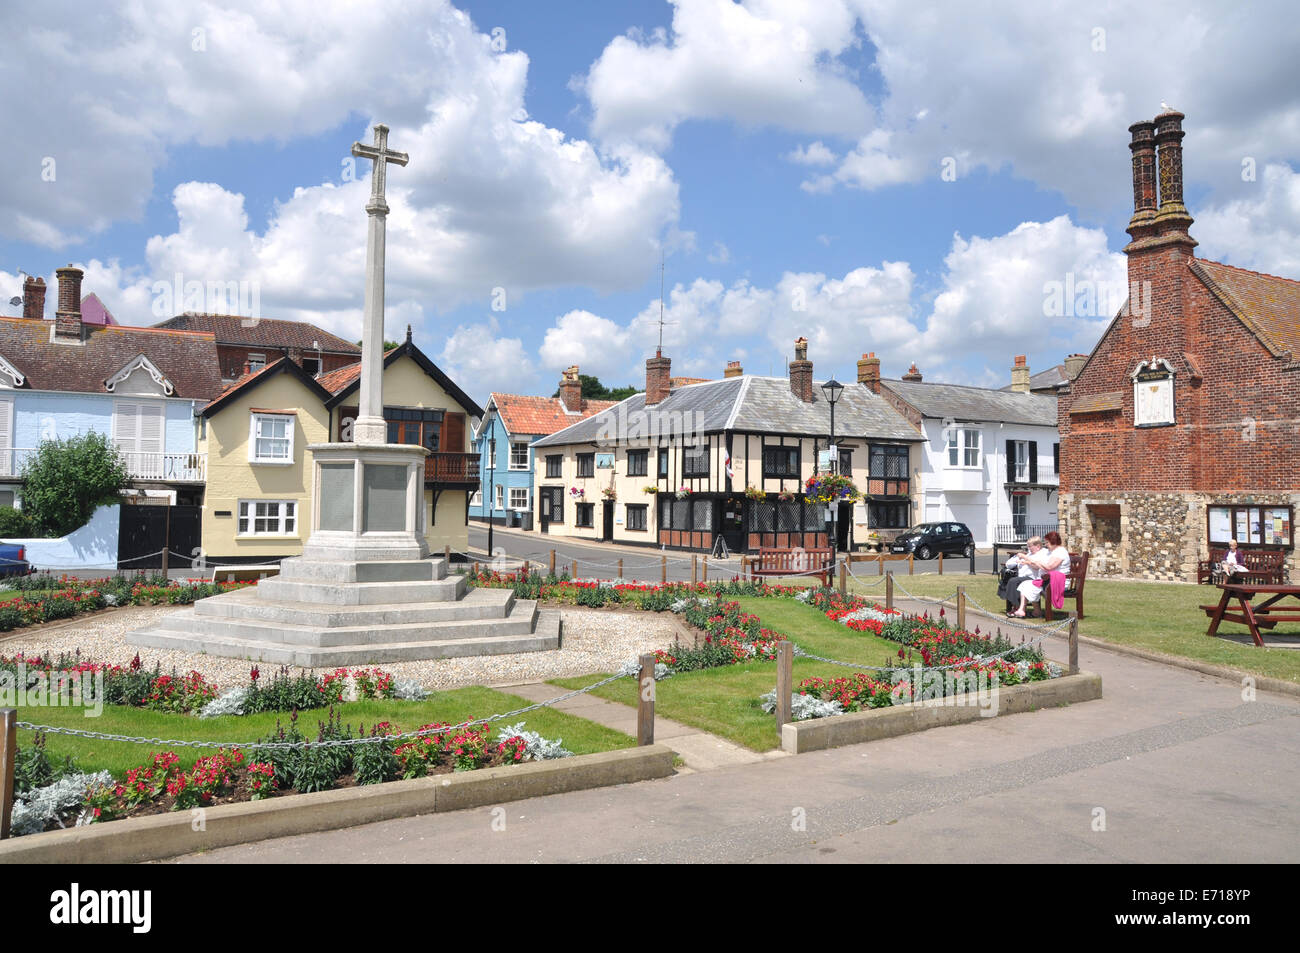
526 415
746 404
975 403
187 359
1268 305
260 332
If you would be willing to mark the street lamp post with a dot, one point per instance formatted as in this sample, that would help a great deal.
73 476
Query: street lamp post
832 390
492 490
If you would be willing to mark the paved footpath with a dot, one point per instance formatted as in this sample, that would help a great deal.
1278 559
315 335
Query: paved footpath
1178 766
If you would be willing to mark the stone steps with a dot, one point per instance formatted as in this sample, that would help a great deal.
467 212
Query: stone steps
537 632
279 589
297 569
247 604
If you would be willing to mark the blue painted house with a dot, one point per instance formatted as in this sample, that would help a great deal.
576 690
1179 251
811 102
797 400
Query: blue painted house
515 421
142 387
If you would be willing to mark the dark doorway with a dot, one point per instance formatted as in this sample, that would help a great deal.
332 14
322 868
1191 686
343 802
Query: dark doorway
144 531
732 521
844 527
606 521
551 506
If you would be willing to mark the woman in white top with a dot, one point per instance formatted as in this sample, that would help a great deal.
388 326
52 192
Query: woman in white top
1029 570
1055 559
1232 564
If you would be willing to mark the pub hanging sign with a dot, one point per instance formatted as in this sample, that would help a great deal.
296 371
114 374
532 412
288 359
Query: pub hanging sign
1153 393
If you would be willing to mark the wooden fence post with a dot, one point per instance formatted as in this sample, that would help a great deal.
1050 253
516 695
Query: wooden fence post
880 564
844 579
941 562
525 571
909 564
889 590
645 709
476 569
550 565
575 570
784 682
1074 645
446 555
705 576
961 607
8 754
620 567
663 570
695 569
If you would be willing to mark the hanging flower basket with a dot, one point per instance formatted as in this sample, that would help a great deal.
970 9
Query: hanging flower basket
831 488
652 490
683 492
754 493
785 496
609 493
577 492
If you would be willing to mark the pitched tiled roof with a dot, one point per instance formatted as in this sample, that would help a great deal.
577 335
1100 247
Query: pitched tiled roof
187 359
340 378
1268 305
976 403
529 416
260 332
748 404
255 378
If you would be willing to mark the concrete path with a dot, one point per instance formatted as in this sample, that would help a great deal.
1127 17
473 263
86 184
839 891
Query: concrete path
700 750
1170 766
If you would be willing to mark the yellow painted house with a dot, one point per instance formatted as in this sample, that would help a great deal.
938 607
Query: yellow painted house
256 434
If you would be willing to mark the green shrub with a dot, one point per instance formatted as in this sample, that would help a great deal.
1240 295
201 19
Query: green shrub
67 479
15 524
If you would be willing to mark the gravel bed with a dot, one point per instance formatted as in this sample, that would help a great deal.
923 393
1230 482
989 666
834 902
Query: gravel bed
594 641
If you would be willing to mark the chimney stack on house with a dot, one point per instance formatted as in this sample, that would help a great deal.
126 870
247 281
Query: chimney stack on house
34 298
733 370
801 370
912 374
1159 215
658 370
1020 375
571 389
67 319
869 371
1073 364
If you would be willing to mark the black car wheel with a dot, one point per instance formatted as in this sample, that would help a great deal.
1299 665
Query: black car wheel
923 552
969 550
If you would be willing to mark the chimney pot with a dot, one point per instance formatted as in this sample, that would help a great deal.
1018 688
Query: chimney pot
67 319
733 370
34 298
1074 364
912 374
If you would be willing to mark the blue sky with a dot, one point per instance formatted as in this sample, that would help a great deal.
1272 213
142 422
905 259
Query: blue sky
785 158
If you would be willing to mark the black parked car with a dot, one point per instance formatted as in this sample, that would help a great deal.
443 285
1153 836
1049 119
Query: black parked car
929 539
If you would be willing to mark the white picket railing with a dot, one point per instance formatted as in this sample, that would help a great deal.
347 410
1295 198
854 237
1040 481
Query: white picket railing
164 467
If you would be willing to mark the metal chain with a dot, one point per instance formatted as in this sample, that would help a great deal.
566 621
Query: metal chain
336 743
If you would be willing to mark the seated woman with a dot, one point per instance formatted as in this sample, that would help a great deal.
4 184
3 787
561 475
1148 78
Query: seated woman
1029 573
1016 570
1232 564
1053 559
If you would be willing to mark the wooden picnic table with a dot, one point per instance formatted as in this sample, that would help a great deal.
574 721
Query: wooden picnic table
1265 615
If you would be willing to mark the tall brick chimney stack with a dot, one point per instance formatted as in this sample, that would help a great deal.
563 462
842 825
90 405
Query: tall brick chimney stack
869 371
733 370
34 298
658 370
801 369
1143 147
67 319
912 374
1173 216
571 389
1020 375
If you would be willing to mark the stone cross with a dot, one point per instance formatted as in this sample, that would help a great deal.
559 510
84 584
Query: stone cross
369 427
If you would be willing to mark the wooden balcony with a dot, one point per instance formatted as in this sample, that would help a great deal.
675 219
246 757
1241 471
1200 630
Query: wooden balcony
452 470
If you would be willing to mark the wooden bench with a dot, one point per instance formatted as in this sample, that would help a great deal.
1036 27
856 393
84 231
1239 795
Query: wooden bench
1263 566
791 562
1074 580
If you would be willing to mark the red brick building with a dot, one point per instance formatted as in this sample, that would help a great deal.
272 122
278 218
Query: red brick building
1182 428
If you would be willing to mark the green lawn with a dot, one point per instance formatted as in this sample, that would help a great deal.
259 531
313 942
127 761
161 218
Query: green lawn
724 701
1160 617
580 736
